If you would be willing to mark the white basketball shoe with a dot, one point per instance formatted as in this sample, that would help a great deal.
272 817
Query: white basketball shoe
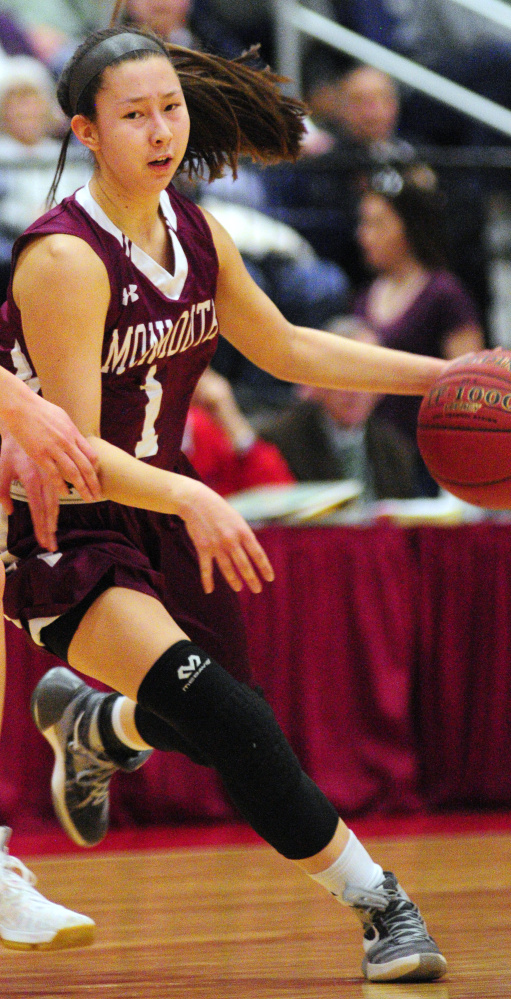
28 920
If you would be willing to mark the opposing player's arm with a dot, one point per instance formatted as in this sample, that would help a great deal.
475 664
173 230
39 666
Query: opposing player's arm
253 324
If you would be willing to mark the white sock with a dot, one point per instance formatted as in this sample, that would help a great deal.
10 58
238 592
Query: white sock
118 727
354 866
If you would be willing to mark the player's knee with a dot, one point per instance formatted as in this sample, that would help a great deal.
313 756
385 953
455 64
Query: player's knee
226 720
234 727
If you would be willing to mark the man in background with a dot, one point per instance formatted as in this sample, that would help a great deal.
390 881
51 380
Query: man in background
330 434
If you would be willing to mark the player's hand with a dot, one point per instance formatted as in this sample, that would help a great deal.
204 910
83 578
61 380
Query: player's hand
42 493
220 535
50 438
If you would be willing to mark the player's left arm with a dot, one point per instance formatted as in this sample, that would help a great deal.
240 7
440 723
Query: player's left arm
253 324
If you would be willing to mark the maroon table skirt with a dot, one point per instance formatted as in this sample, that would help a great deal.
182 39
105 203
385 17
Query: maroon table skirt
386 655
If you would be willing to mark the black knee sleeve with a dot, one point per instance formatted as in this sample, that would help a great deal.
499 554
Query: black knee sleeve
160 735
231 725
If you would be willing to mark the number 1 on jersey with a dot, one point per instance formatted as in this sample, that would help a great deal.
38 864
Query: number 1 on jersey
148 443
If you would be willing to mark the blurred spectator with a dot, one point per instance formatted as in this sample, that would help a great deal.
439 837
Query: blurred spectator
356 109
54 27
359 108
223 447
253 20
28 151
184 22
463 45
307 290
357 103
13 39
414 303
250 20
331 434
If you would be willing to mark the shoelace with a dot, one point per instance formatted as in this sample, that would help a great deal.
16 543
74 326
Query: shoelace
402 918
20 884
20 880
12 864
94 777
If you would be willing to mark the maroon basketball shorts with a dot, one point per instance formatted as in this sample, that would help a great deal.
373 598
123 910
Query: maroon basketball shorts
106 544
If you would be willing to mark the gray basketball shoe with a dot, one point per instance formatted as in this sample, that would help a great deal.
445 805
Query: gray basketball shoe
397 945
65 711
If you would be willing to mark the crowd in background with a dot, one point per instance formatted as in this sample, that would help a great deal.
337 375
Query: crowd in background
361 236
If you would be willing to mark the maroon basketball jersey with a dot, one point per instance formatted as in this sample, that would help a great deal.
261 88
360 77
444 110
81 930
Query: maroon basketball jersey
161 329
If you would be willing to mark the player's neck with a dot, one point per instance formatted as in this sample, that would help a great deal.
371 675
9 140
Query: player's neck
136 218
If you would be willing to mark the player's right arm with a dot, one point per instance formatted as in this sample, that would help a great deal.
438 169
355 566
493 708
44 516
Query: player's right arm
62 290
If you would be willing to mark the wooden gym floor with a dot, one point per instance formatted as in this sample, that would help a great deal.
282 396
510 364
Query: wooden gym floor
241 922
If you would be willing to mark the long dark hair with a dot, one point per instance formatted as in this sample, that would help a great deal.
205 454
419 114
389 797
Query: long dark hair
236 107
414 195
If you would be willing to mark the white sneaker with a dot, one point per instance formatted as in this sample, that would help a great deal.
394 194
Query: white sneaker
28 921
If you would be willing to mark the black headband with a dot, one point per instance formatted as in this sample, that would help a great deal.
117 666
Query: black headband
103 54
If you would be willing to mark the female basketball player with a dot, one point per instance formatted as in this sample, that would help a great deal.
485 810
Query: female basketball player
116 300
28 921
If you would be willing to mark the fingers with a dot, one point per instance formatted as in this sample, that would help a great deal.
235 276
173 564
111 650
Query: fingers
51 439
219 534
240 562
51 509
43 499
5 483
247 571
260 558
43 486
78 468
226 566
206 570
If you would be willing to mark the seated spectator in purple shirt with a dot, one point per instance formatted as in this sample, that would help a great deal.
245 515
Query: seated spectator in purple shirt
414 303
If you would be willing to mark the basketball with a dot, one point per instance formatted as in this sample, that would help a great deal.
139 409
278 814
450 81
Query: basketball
464 429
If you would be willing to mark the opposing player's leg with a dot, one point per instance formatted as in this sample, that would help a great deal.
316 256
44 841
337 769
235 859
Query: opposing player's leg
28 920
128 640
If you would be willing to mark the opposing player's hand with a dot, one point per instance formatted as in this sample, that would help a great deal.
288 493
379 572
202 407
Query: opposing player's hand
220 535
50 438
42 494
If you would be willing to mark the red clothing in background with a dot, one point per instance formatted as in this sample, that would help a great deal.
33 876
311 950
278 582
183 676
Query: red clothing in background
222 468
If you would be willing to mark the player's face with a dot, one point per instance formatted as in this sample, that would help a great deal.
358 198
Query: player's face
142 125
381 233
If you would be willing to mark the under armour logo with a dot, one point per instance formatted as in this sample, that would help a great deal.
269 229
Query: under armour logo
130 294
